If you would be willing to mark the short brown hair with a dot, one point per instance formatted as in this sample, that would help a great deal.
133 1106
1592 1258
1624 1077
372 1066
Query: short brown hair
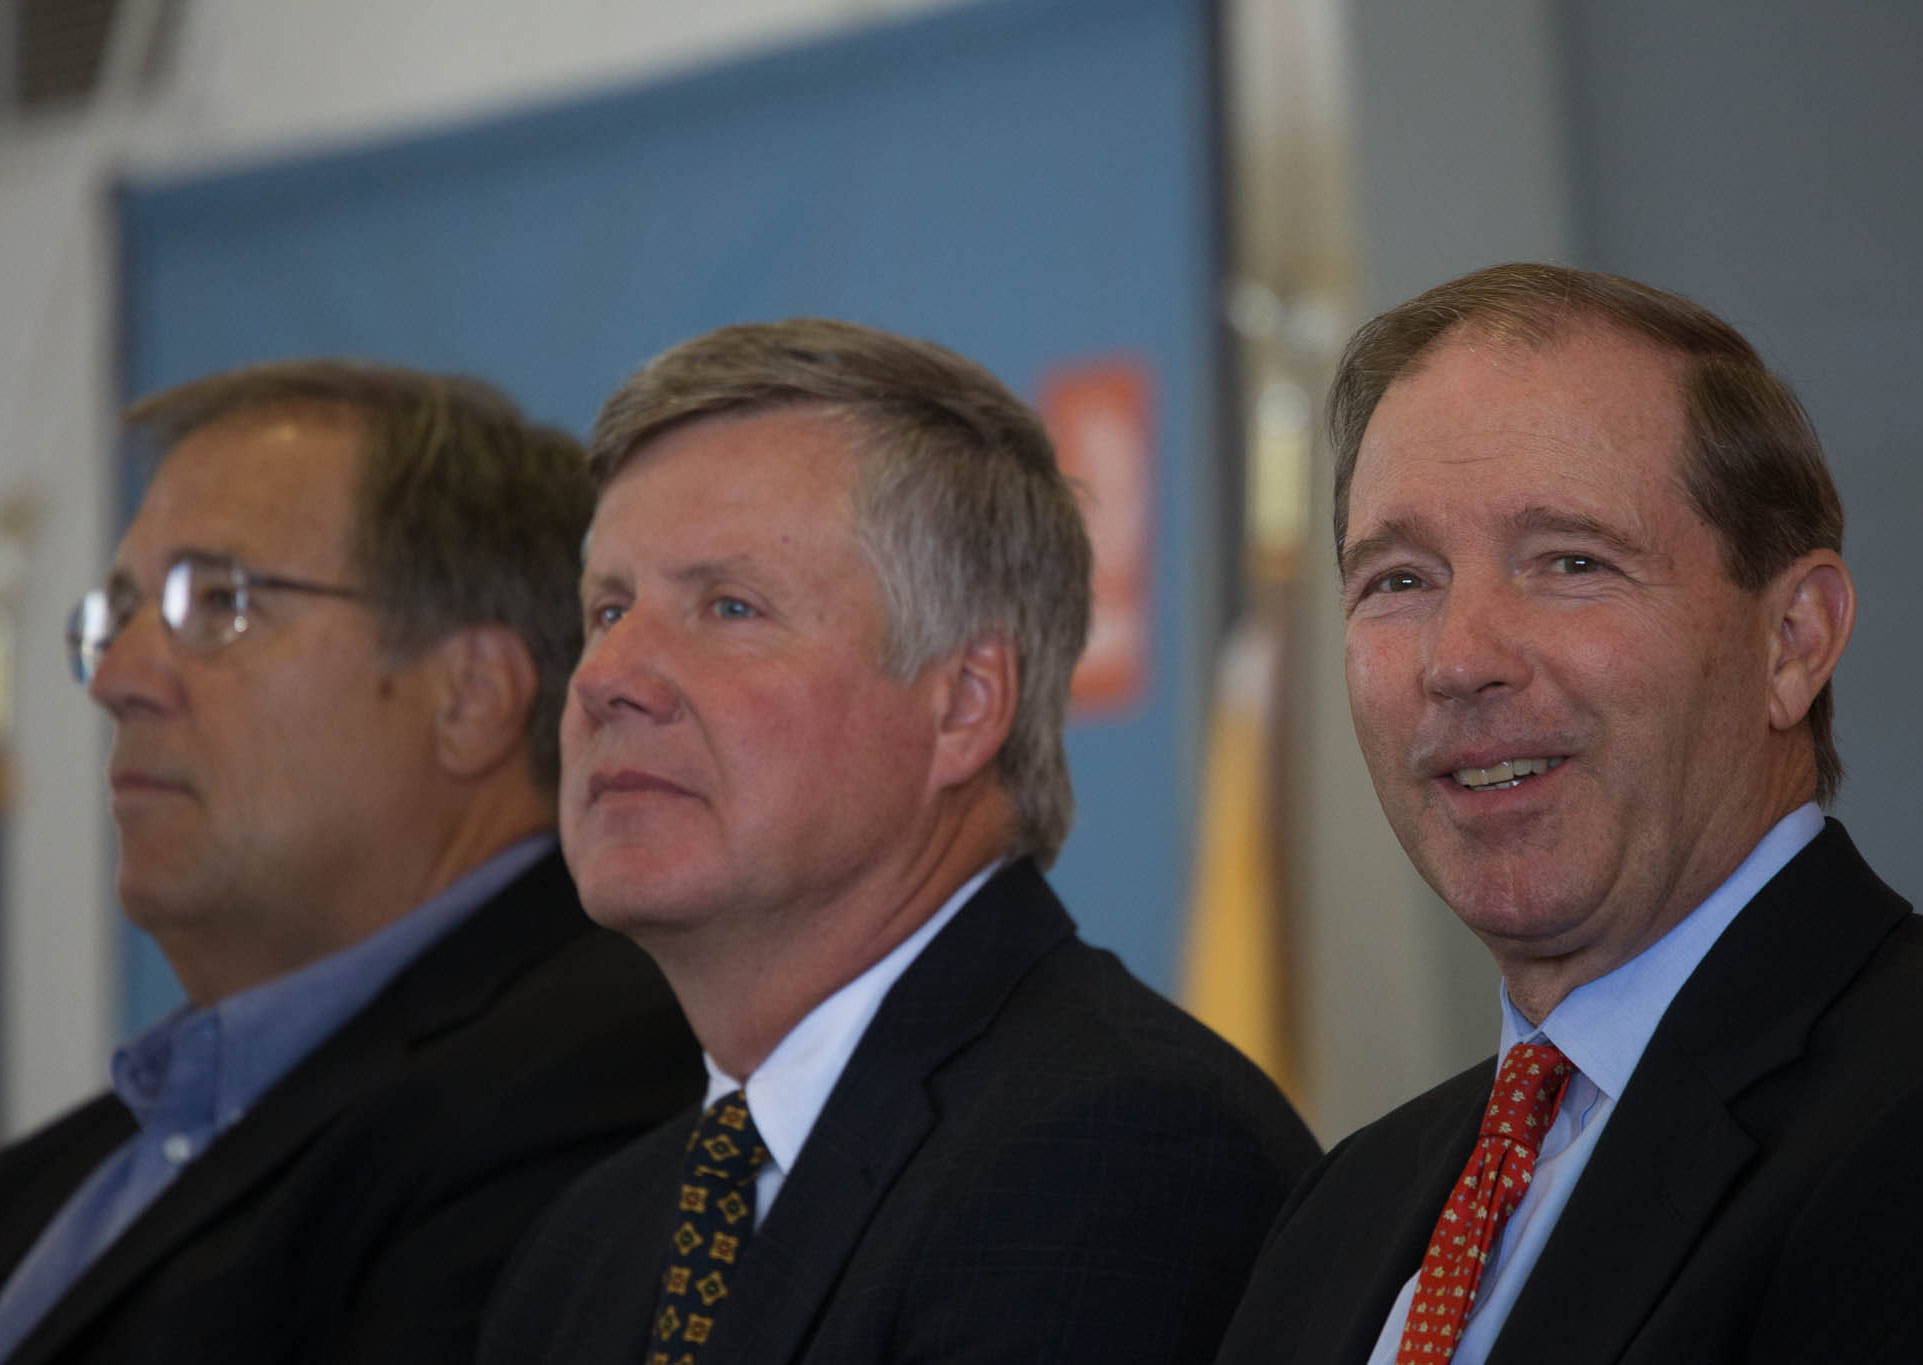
961 509
1752 465
465 512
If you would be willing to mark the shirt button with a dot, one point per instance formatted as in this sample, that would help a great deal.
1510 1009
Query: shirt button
178 1148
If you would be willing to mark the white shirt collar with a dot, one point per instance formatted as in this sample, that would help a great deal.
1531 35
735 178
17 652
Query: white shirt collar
1603 1025
787 1091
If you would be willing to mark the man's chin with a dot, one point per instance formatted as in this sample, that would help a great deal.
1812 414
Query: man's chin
618 904
155 906
1520 905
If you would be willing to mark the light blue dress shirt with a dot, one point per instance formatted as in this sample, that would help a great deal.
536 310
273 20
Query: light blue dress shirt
1602 1027
194 1075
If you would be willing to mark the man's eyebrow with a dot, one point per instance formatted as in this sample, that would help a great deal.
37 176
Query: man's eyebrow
1537 520
705 571
1555 522
1398 531
121 578
593 583
697 572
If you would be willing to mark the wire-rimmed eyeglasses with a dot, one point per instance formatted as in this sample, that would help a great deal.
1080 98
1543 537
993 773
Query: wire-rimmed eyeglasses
206 603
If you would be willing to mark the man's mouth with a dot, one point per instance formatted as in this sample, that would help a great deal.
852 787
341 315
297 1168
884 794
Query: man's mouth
130 782
629 781
1510 772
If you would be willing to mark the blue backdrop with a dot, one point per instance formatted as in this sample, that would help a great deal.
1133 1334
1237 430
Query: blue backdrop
1027 181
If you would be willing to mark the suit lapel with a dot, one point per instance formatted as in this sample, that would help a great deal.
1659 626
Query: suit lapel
38 1175
447 984
1656 1178
1673 1146
845 1169
1377 1236
880 1112
237 1164
616 1320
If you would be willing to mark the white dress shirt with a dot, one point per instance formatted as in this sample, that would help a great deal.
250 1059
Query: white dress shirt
787 1091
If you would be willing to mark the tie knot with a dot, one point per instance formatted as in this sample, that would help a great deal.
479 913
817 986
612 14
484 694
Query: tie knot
725 1145
1529 1086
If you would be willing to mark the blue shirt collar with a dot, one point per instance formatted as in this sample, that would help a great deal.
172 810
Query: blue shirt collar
201 1069
1603 1025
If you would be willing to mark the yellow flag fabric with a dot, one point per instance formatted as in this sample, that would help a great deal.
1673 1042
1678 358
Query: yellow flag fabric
1235 971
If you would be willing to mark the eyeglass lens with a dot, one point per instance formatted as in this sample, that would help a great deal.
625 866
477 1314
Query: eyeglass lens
203 603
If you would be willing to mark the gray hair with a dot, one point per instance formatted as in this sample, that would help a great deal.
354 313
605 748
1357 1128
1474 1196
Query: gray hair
960 509
465 513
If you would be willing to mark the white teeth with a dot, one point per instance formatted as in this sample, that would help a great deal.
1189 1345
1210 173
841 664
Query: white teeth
1505 774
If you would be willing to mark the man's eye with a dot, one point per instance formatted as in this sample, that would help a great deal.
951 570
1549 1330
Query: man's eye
121 607
1574 564
731 609
1399 581
605 615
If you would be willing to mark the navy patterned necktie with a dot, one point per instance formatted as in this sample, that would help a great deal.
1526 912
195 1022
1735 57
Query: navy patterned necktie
715 1217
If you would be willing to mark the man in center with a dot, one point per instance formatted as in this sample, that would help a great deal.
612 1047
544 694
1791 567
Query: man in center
834 592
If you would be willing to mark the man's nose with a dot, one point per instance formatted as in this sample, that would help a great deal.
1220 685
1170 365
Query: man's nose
138 668
1477 640
625 669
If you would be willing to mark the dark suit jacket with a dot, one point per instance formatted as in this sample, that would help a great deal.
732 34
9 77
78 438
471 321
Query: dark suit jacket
1030 1157
362 1209
1757 1195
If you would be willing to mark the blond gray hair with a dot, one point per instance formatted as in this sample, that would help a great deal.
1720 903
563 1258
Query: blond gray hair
960 510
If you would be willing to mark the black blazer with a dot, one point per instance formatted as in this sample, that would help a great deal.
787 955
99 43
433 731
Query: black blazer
1755 1197
362 1209
1030 1157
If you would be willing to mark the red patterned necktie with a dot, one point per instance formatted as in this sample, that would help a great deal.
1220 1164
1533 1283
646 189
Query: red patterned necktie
1528 1090
717 1206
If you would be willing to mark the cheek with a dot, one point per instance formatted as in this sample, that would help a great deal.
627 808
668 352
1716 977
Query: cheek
864 725
1377 676
791 737
575 764
574 726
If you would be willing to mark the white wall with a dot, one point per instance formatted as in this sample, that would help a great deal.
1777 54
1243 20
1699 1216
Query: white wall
255 78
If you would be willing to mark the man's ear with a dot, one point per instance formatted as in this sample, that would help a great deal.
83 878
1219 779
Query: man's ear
488 687
976 708
1813 610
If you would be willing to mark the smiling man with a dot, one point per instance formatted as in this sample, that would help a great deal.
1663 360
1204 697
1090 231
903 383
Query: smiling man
1590 563
333 647
812 759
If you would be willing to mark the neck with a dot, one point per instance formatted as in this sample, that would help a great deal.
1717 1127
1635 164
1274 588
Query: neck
1537 982
217 956
744 993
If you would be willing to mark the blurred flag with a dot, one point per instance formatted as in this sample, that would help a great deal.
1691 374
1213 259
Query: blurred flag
1236 960
1235 968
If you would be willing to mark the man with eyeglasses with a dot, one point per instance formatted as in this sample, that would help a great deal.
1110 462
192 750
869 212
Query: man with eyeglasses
334 646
